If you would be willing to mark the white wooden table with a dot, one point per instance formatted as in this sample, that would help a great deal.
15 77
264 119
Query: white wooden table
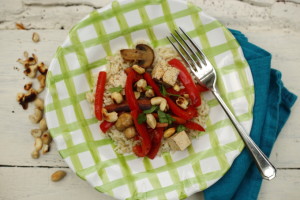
272 25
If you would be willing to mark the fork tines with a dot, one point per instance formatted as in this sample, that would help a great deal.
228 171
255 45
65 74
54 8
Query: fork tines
191 53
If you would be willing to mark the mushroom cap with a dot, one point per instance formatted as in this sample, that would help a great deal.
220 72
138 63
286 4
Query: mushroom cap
143 55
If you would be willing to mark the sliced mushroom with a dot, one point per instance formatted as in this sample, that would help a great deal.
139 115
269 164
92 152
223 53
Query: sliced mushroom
143 55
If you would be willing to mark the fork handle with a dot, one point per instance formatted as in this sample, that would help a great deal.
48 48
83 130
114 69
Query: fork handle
267 170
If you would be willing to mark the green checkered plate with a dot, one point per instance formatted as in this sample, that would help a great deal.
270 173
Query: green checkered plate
76 131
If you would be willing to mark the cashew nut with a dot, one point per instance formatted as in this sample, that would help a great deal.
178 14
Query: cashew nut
35 37
151 121
182 102
31 71
35 154
45 148
130 132
169 132
137 95
46 138
27 86
37 116
39 103
110 117
141 85
38 144
36 133
138 69
117 97
149 93
163 106
42 80
43 69
43 125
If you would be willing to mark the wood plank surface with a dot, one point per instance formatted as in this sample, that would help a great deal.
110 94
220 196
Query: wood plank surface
273 25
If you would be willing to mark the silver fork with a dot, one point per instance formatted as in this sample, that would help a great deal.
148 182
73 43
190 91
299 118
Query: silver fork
206 75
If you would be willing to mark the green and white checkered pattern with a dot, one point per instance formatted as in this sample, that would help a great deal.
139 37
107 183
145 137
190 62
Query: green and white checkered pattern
76 132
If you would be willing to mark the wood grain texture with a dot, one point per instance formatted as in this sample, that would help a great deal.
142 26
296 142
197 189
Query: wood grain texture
272 25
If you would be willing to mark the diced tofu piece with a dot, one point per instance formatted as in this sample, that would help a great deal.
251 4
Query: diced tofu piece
159 70
170 76
179 141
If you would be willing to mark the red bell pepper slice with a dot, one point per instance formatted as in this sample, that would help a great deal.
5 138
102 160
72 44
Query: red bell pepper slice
105 125
137 149
129 92
187 80
173 107
161 125
194 126
142 131
99 95
184 91
156 142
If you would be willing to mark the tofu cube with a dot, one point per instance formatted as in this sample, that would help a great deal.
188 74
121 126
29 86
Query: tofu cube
159 70
170 76
179 141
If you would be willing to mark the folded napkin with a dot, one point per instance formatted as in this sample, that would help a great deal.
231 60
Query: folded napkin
271 110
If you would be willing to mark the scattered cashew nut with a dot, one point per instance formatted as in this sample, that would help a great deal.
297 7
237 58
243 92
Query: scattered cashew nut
38 144
31 71
46 138
43 125
39 103
37 116
36 133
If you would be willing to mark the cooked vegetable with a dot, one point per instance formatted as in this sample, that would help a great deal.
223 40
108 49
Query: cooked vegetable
145 138
141 118
194 126
180 128
161 125
99 95
144 104
156 142
187 80
129 93
143 55
178 120
130 132
151 110
173 107
105 126
115 89
124 121
164 117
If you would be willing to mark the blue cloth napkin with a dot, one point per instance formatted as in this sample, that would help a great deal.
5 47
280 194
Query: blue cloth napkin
271 110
